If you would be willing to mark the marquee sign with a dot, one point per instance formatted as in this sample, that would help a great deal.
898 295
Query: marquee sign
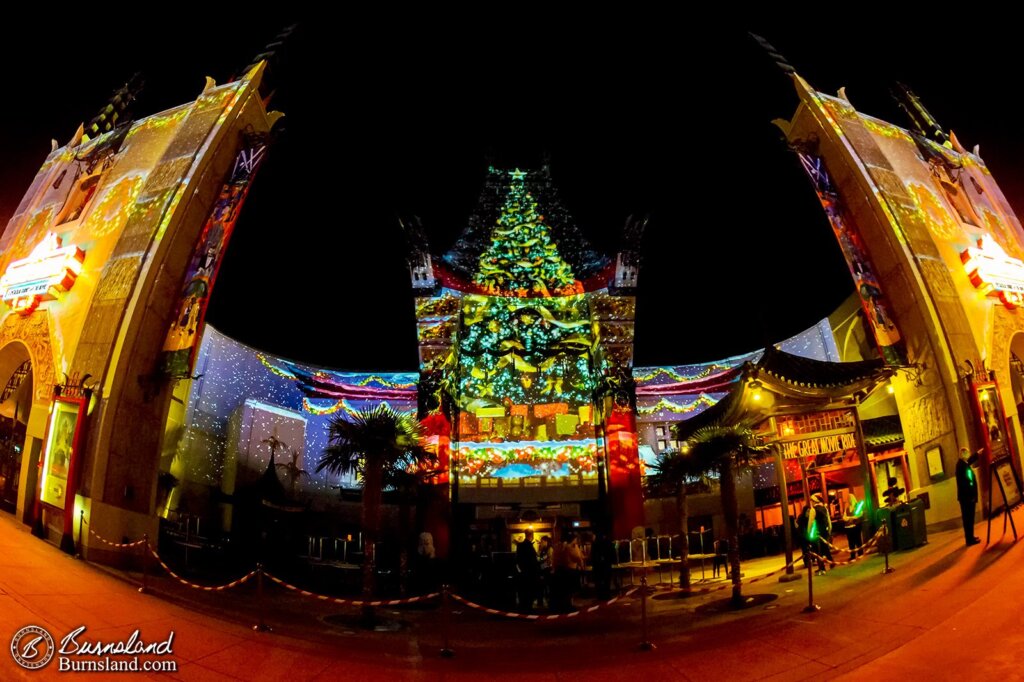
818 446
47 272
994 272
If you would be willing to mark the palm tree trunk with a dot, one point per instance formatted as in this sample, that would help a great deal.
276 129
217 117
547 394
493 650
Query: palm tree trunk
404 507
730 509
371 525
684 526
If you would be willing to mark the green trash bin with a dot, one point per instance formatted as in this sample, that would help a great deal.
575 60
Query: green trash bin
902 527
917 522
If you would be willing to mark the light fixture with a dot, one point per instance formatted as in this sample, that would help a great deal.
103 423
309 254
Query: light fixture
890 388
755 386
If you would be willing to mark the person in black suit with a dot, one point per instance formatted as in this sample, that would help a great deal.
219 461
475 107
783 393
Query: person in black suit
528 566
967 494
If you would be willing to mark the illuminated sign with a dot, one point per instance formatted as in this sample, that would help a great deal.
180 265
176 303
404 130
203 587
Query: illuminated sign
60 449
994 272
818 446
48 271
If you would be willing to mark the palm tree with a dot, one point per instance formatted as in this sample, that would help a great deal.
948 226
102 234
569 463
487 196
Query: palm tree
677 473
293 471
373 444
728 448
404 479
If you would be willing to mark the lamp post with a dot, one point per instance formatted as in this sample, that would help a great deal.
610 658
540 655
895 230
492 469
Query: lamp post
787 525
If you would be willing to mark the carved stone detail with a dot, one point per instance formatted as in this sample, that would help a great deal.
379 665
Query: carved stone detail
33 331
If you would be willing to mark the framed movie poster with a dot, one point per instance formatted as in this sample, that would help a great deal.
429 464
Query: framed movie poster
61 446
991 419
934 457
1004 472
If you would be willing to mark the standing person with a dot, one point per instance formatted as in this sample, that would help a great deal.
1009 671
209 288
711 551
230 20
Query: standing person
804 528
602 556
529 572
574 565
823 523
853 518
544 559
967 494
560 599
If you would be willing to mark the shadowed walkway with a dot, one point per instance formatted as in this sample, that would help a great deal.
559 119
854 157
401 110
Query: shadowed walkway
948 610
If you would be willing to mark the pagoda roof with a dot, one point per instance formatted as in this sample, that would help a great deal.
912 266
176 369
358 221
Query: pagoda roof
882 433
794 378
799 371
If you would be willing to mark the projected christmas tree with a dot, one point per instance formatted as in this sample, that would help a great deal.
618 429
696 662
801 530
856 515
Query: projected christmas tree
522 259
526 350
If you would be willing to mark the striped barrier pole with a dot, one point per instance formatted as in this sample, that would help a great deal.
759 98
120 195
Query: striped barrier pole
81 520
886 546
811 606
645 641
261 626
446 649
145 563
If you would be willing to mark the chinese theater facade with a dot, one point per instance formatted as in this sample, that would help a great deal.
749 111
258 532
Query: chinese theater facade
120 407
526 349
937 258
106 268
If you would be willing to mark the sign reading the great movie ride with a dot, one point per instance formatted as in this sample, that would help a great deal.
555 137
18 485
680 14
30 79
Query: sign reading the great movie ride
49 270
818 446
995 272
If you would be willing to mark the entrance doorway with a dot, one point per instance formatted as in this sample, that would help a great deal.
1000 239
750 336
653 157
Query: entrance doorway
15 407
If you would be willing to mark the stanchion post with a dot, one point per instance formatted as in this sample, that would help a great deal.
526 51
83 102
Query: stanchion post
446 649
81 520
261 626
145 563
645 643
811 606
886 547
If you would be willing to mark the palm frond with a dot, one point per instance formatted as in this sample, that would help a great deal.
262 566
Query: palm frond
673 470
712 444
380 434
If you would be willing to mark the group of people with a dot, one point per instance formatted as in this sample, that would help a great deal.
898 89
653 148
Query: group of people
551 572
814 528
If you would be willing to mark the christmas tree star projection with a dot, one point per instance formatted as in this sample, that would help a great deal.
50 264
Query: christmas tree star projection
523 358
522 259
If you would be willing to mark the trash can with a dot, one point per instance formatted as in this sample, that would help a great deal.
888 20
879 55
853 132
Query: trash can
917 522
902 527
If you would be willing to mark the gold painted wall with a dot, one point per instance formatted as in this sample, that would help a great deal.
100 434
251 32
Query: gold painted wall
918 205
138 230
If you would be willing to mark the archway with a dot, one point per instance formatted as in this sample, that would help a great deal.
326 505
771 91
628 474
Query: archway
16 396
1015 388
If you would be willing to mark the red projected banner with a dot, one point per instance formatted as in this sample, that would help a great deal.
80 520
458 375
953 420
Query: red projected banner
183 337
624 485
876 307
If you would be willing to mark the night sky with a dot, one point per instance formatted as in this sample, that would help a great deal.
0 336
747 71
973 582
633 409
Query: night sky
637 116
